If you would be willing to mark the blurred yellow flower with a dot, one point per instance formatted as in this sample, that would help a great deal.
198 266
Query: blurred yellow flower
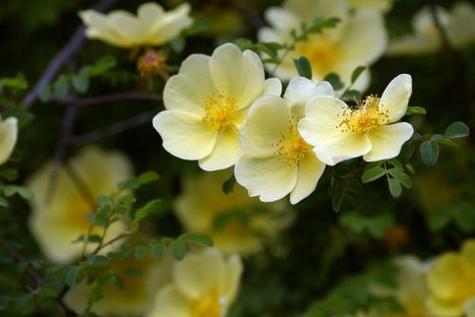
204 285
339 132
135 297
203 203
452 283
152 25
359 39
382 5
60 217
207 102
459 25
276 160
8 137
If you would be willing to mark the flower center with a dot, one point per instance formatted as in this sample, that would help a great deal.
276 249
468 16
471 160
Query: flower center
209 305
291 147
220 111
364 117
322 52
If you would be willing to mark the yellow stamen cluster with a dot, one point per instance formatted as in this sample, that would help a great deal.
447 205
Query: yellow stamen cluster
209 305
291 147
219 111
366 116
322 53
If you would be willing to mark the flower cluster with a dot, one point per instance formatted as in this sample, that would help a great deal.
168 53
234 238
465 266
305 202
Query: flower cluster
221 111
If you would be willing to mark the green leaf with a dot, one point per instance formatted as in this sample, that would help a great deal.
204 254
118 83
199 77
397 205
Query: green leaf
80 81
228 185
303 66
61 87
3 202
401 177
72 275
178 248
10 190
9 174
101 66
17 83
429 151
198 239
244 44
394 187
334 80
457 130
356 73
415 110
140 252
149 208
372 174
157 250
322 23
375 225
148 177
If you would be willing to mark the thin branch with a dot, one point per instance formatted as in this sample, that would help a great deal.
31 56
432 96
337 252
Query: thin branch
440 27
68 122
113 129
62 57
95 100
110 242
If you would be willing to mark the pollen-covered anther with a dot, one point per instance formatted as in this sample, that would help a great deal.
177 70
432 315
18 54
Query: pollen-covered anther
366 116
291 147
209 305
219 111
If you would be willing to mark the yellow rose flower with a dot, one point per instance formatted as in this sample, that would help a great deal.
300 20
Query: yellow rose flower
459 24
276 160
359 39
58 220
339 132
137 295
206 104
8 137
204 285
382 5
152 25
203 201
411 291
452 283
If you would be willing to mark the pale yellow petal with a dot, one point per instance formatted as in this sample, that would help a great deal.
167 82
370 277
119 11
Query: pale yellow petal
170 302
172 24
272 87
320 124
269 35
413 45
198 274
8 137
100 27
225 153
233 271
281 19
189 89
441 308
310 170
267 120
387 141
395 98
345 148
469 308
269 178
364 39
382 5
300 90
445 277
468 251
308 10
239 75
461 30
184 135
128 26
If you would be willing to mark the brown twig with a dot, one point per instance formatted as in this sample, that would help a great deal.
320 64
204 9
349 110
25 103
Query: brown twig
96 100
62 57
113 129
110 242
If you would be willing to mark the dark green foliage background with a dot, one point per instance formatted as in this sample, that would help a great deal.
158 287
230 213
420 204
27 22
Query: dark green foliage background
322 249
